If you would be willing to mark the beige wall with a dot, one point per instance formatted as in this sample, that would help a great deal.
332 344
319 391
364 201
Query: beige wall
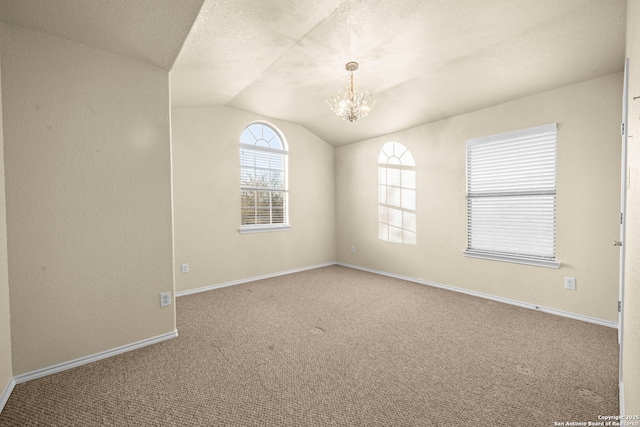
88 187
631 328
206 164
588 116
6 372
206 167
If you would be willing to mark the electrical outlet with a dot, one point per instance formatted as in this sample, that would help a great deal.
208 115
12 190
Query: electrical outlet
570 283
184 268
165 299
353 249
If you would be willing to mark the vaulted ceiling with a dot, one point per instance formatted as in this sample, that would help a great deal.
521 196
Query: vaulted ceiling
149 31
426 60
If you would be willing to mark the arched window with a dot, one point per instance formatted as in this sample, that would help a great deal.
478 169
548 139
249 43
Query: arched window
396 194
263 178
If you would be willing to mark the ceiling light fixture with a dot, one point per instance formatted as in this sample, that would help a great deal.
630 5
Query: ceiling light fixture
352 105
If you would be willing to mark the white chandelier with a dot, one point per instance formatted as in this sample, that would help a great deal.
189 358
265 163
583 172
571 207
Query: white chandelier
352 105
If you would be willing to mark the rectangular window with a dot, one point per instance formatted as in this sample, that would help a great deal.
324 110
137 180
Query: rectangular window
263 187
511 196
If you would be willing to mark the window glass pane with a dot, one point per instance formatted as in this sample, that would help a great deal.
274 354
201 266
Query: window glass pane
395 217
248 217
263 199
277 161
382 175
256 130
277 215
262 160
278 199
263 216
393 177
248 198
383 214
247 137
382 194
277 180
247 177
409 199
409 221
383 231
395 234
247 158
398 149
407 159
248 207
387 149
393 196
268 134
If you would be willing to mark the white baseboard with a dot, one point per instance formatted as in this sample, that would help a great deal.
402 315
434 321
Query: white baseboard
6 393
92 358
250 279
562 313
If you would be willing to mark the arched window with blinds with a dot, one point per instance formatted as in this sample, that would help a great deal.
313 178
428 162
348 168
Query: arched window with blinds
263 178
396 194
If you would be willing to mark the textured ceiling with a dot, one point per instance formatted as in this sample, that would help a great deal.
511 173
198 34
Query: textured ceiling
425 59
149 31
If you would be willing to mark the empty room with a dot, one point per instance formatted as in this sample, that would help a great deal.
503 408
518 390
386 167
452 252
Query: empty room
307 213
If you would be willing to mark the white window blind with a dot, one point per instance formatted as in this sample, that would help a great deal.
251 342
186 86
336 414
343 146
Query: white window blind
263 178
511 196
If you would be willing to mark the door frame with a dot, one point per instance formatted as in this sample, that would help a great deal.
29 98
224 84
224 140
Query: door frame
624 176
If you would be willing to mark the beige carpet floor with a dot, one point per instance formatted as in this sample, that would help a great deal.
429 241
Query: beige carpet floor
340 347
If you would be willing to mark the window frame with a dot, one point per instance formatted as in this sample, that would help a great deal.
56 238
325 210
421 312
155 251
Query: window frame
515 192
266 152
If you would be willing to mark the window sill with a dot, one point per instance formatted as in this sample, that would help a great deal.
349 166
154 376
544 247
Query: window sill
512 259
247 229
